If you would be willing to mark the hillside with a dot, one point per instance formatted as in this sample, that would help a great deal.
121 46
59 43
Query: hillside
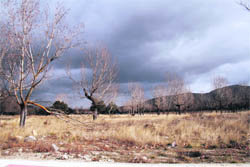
235 97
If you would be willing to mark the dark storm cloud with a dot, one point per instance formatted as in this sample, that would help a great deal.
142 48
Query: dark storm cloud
138 32
196 39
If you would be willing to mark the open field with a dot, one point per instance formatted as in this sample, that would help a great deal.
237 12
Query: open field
187 138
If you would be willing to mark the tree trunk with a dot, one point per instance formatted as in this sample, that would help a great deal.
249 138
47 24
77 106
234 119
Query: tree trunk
23 115
158 112
95 113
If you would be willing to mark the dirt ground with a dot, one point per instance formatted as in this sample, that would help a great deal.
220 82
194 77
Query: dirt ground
102 148
104 151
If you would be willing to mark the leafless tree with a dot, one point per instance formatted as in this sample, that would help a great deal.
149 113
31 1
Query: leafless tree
31 40
245 97
112 98
148 107
218 83
97 80
62 97
160 96
137 97
128 106
175 86
186 100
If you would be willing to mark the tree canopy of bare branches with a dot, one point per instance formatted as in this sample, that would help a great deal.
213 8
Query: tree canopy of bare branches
218 82
160 93
137 101
31 39
175 86
98 74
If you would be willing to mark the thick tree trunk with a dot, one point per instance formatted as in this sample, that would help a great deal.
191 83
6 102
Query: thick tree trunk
23 115
94 103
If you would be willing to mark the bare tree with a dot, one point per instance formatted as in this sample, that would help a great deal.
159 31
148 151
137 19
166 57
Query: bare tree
62 97
159 94
31 40
175 86
148 107
218 82
244 97
186 100
128 106
112 98
137 97
97 80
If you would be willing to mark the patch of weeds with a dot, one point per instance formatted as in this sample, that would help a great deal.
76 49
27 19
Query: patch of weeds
169 144
234 162
188 146
95 159
212 147
42 147
162 154
182 158
192 154
232 144
70 149
5 146
152 157
3 124
52 135
12 139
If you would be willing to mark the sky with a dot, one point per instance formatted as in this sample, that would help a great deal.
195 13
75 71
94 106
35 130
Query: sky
196 39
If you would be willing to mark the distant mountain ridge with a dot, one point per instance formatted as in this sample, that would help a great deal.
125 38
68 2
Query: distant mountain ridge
233 97
229 98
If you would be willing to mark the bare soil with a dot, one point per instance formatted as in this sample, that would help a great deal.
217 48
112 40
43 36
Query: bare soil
111 151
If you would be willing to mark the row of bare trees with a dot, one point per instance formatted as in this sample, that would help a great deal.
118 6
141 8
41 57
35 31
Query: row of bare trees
167 96
174 96
136 103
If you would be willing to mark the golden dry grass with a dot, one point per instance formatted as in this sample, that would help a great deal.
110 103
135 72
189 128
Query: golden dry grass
196 130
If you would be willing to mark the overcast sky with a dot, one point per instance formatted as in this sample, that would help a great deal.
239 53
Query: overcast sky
196 39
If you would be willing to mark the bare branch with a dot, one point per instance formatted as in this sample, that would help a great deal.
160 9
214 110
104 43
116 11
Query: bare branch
137 97
245 4
219 82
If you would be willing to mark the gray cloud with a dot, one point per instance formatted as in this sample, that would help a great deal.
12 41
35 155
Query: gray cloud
197 39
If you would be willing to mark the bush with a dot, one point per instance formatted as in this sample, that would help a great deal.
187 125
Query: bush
112 108
60 105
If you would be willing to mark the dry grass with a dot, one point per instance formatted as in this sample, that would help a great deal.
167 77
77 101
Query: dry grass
199 130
